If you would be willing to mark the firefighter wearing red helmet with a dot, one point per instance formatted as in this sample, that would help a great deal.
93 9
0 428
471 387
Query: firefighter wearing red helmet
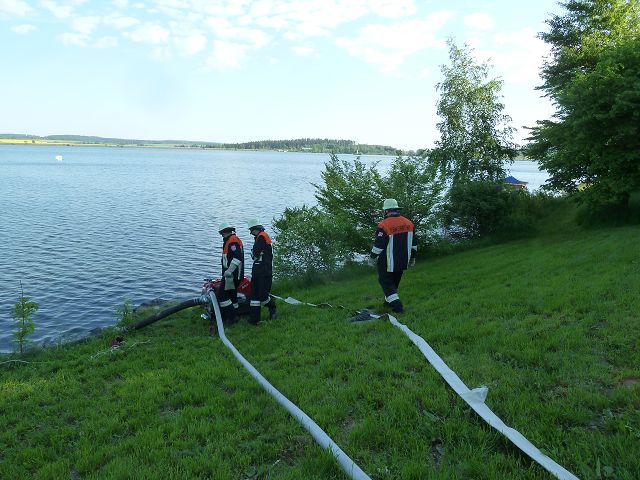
394 250
261 273
232 272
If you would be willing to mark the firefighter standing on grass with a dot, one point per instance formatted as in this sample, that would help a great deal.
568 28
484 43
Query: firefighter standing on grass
261 273
394 250
232 272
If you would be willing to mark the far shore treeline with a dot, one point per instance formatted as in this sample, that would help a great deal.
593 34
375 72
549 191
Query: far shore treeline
312 145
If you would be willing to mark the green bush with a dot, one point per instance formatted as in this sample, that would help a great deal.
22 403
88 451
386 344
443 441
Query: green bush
307 244
125 313
609 214
22 313
322 238
479 208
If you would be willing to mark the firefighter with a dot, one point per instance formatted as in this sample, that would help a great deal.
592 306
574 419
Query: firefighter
394 250
261 273
232 272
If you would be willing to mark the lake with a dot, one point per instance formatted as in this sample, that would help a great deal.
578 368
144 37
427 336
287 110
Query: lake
104 224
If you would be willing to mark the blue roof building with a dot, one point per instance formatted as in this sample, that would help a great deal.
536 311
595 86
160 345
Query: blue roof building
515 182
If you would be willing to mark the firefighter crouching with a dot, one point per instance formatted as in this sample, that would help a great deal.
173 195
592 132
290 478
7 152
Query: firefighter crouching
261 273
394 250
232 272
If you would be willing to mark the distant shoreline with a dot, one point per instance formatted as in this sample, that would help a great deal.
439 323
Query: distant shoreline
296 146
178 147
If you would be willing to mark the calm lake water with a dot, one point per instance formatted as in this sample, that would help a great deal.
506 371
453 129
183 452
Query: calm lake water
105 224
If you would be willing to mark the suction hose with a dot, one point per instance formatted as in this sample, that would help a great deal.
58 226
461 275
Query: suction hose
165 313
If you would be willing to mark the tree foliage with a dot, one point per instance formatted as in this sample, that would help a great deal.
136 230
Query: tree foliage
591 147
475 134
325 236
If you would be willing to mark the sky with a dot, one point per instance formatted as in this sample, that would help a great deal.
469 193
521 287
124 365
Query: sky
241 70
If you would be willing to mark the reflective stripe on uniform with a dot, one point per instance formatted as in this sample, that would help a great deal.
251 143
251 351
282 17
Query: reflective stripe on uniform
390 254
392 298
409 243
235 305
376 251
226 303
237 262
254 303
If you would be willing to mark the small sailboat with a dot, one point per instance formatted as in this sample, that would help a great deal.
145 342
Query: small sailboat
59 158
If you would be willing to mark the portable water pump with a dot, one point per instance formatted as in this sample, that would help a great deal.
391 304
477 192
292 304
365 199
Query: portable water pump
244 292
209 285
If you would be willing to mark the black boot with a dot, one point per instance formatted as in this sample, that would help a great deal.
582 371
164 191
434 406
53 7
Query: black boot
396 306
229 315
272 309
254 315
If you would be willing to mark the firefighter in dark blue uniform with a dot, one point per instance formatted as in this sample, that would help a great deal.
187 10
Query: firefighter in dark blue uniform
261 273
394 250
232 272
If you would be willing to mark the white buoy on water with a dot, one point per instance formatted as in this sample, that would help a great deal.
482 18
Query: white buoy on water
59 158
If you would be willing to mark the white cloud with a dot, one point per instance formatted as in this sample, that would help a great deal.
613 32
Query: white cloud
106 42
227 54
479 21
224 29
24 28
190 44
426 72
218 8
77 39
262 8
303 51
393 8
59 10
517 55
274 22
148 33
85 25
15 8
314 18
388 45
161 54
120 22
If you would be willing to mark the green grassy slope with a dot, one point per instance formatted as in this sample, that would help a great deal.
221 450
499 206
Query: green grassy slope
549 324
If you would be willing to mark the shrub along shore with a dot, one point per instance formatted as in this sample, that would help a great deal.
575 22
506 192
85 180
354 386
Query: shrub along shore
549 324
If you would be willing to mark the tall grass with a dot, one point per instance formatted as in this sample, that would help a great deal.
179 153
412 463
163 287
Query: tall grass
549 324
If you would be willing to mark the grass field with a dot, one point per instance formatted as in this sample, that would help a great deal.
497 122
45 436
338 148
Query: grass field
20 141
549 324
72 143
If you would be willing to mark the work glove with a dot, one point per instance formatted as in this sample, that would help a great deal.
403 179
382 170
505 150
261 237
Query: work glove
412 262
371 261
228 280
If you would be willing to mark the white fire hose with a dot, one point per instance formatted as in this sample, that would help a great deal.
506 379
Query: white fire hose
348 465
474 398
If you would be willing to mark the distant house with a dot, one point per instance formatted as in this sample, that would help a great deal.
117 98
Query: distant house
514 182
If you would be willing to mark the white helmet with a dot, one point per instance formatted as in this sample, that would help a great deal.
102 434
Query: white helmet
254 223
225 226
390 204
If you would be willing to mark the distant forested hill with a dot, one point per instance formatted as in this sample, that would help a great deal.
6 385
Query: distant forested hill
317 145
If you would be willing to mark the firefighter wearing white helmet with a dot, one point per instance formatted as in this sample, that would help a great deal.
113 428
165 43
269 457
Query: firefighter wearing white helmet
232 272
261 273
394 250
